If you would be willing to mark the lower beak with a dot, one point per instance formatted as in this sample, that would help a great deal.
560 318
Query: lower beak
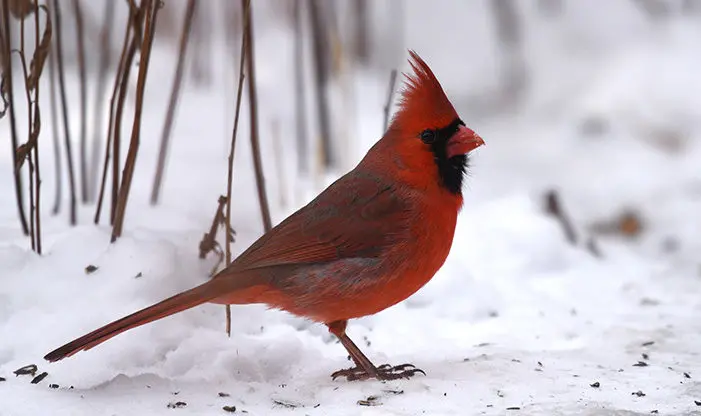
463 142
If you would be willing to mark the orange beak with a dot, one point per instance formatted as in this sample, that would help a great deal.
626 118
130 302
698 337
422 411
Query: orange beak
463 142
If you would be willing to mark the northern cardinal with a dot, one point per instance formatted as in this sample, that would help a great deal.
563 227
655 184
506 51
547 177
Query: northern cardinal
369 241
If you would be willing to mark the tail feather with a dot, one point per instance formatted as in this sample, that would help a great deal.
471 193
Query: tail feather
180 302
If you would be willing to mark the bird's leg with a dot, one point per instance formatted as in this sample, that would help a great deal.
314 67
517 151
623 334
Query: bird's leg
364 368
363 365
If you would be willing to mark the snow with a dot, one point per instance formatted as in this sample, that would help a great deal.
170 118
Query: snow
517 317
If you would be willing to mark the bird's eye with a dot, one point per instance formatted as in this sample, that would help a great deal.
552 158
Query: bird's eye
428 136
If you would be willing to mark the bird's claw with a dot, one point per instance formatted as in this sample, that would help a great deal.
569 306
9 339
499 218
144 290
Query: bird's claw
384 372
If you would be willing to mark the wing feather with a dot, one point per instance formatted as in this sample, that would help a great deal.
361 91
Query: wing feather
360 215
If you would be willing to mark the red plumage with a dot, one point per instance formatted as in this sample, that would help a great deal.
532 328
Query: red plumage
370 240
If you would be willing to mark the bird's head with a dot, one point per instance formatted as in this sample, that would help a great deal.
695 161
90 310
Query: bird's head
427 130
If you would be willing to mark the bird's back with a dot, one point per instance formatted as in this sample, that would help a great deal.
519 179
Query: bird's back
361 246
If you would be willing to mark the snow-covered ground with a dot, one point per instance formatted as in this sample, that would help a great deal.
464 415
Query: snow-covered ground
518 321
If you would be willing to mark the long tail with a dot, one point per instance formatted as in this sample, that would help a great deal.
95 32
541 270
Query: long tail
189 299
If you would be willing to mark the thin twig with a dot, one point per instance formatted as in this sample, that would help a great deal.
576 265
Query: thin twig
150 8
200 63
209 242
253 108
100 90
300 97
172 104
37 118
553 206
390 95
209 239
7 66
30 150
321 78
244 42
64 105
136 18
54 131
32 206
83 101
31 144
110 126
361 14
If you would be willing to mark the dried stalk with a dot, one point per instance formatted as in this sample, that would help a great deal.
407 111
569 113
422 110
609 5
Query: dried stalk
100 90
25 151
244 45
553 206
151 8
209 239
209 242
136 18
390 94
321 78
54 133
42 49
230 15
7 84
361 15
200 64
509 29
253 108
29 151
64 106
31 74
172 104
300 101
110 127
83 101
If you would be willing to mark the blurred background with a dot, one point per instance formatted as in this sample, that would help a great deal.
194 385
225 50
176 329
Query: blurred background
581 217
596 103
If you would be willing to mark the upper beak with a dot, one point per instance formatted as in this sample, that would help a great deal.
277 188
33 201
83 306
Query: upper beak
463 142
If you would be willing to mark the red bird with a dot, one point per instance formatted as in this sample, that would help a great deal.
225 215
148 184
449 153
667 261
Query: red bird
369 241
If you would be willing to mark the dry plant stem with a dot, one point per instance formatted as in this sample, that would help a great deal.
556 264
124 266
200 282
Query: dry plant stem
19 193
83 101
390 94
64 107
110 126
30 144
136 20
36 131
32 232
239 89
300 101
231 16
54 132
321 73
554 208
253 107
209 244
362 34
209 239
173 103
100 90
150 8
200 64
593 248
32 206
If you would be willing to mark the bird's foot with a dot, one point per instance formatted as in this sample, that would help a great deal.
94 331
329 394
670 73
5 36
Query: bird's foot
384 372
